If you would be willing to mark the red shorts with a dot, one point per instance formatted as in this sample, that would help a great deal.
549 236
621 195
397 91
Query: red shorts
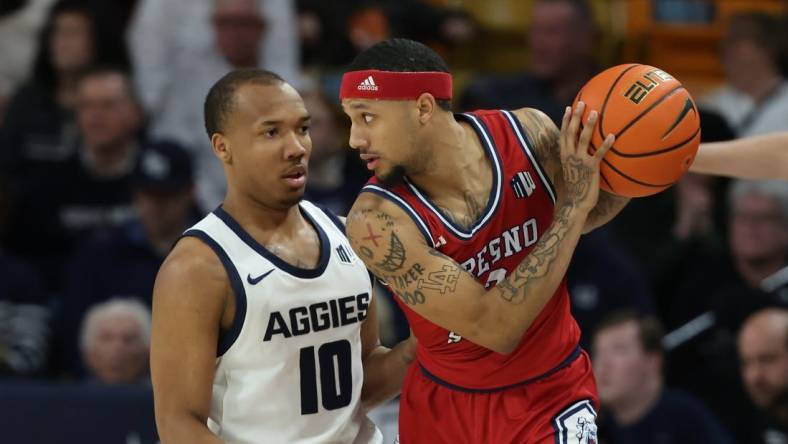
557 409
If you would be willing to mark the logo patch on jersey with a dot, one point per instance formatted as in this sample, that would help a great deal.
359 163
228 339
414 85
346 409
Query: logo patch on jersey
576 424
523 184
254 281
345 255
454 338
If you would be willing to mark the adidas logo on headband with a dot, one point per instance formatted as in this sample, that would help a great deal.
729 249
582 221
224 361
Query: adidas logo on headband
367 85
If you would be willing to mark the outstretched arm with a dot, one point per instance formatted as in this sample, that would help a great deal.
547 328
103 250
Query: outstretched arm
384 368
756 157
438 288
544 137
189 299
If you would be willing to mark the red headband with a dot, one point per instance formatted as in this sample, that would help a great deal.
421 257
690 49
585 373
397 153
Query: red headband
390 85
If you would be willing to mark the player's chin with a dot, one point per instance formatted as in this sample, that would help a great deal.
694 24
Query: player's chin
391 176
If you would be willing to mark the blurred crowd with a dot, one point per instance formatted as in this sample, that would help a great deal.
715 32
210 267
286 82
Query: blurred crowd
104 161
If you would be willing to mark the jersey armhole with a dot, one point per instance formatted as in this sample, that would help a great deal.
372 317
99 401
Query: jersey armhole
226 337
334 218
526 144
388 195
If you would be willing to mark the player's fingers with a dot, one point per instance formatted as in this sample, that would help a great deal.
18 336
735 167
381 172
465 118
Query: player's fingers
587 132
609 141
574 123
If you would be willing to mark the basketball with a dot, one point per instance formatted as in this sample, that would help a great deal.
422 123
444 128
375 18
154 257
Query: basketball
656 124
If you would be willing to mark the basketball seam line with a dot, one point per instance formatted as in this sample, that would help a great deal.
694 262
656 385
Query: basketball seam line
607 98
662 151
646 111
645 184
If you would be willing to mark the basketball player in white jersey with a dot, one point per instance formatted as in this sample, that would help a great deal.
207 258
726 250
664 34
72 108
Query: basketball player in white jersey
262 313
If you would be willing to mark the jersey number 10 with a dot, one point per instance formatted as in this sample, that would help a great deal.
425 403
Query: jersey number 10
336 377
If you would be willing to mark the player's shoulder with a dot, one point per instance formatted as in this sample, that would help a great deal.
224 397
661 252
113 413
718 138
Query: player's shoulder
532 118
191 260
543 136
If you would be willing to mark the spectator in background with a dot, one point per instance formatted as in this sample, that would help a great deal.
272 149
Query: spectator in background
115 342
181 47
332 33
20 24
40 126
124 261
755 98
24 313
763 352
602 278
706 301
637 408
560 45
90 190
335 174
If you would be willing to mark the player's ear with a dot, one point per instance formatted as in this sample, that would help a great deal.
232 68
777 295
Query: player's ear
221 147
426 105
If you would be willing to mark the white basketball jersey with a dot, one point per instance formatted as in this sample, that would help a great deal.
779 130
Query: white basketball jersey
289 370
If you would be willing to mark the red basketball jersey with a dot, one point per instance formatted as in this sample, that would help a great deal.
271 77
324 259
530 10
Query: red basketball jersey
520 209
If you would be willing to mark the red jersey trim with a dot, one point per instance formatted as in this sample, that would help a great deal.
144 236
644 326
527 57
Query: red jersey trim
400 202
496 192
525 144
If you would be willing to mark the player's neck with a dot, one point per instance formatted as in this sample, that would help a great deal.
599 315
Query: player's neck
260 220
458 163
633 409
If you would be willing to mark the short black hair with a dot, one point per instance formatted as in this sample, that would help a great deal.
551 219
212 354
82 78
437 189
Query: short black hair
221 97
401 55
109 70
650 331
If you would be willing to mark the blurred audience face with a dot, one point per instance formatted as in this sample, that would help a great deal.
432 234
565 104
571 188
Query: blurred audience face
117 352
558 39
621 365
739 57
238 28
107 114
323 129
763 353
165 213
758 230
71 43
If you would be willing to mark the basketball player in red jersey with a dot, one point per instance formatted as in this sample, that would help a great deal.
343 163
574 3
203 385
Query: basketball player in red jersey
471 220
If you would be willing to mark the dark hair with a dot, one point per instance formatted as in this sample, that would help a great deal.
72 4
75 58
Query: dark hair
221 97
650 331
107 70
760 28
401 55
108 47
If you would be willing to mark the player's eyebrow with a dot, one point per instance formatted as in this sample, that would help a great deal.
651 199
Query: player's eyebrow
302 119
357 105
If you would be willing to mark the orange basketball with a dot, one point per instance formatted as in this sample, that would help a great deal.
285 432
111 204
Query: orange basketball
656 124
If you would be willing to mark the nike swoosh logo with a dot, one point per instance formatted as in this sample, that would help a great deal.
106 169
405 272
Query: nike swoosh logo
254 281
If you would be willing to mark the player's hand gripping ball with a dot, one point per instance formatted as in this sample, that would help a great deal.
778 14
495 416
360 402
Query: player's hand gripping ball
656 124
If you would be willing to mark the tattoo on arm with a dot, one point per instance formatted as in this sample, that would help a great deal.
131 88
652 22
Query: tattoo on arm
395 258
543 137
539 262
607 206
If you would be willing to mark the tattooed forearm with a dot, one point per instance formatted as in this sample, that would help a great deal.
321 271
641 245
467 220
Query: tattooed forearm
403 280
607 207
443 280
540 261
577 178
